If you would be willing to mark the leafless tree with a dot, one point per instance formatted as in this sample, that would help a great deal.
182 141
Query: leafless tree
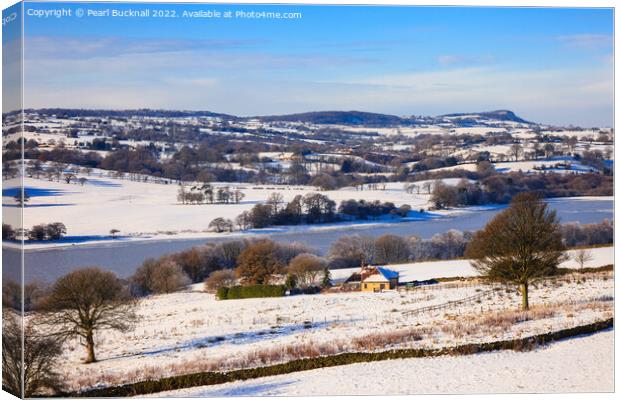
306 268
85 301
392 249
427 186
274 200
38 365
516 150
159 276
221 225
582 257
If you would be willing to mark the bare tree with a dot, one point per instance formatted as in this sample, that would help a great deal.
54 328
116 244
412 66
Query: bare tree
353 251
38 365
392 249
516 150
549 149
274 200
159 276
85 301
520 245
306 268
221 225
427 186
583 257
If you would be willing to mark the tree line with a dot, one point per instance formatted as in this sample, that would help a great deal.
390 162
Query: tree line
51 231
500 188
315 208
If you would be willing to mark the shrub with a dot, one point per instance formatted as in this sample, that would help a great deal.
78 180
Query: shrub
218 279
250 291
158 276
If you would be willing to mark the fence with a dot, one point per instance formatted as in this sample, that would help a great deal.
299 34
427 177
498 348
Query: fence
450 304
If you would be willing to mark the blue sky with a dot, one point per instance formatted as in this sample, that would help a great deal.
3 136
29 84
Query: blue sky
547 65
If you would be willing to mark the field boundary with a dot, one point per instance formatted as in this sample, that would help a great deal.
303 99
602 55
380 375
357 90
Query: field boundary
450 304
214 378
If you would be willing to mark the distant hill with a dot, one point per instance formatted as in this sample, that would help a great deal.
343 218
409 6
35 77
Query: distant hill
340 118
143 112
351 118
498 115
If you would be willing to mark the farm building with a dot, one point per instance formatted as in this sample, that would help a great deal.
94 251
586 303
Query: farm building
375 279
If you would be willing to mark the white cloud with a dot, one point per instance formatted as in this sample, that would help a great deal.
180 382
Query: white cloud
454 59
586 40
250 82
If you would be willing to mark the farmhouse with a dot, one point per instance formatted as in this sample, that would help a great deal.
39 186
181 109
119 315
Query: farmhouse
375 279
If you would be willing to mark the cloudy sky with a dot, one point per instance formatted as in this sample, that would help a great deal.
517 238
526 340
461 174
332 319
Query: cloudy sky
548 65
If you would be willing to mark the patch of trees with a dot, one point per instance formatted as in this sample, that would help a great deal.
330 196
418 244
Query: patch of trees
354 251
223 264
221 278
311 208
362 209
32 294
500 188
8 233
51 231
576 234
209 194
434 163
314 208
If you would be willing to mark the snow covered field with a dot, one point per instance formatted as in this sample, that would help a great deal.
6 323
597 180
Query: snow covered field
582 364
190 331
151 210
556 164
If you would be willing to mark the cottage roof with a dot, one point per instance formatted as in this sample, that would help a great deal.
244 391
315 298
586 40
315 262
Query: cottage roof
388 273
382 275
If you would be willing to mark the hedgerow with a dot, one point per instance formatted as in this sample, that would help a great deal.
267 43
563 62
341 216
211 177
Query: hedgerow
250 291
214 378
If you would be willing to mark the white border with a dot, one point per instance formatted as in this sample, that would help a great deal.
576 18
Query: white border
477 3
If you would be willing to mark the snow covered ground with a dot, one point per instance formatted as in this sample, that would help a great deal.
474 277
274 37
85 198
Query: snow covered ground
151 211
556 164
190 331
462 268
582 364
